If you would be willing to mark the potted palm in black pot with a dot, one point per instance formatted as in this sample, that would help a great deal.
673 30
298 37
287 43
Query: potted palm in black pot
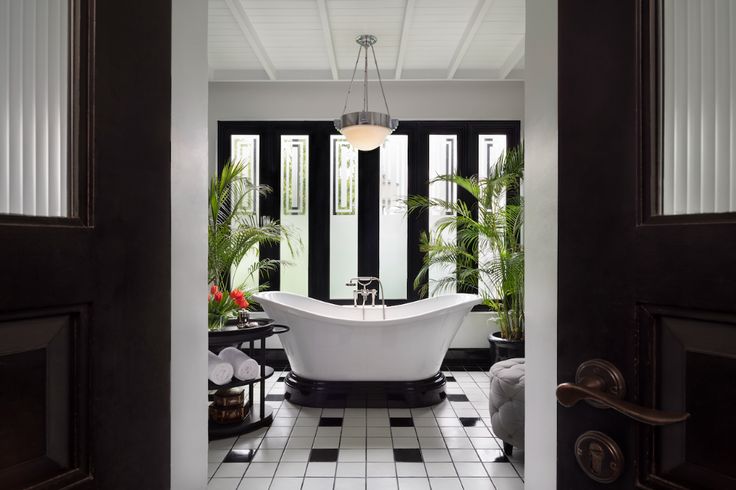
491 221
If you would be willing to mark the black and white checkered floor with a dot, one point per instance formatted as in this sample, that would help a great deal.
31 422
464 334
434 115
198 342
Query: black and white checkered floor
445 447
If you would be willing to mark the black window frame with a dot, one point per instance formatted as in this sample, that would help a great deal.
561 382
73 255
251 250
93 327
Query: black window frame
269 168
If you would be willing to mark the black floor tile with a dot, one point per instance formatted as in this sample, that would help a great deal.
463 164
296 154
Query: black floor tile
275 398
402 422
281 379
454 397
323 455
450 379
240 456
330 422
408 455
470 421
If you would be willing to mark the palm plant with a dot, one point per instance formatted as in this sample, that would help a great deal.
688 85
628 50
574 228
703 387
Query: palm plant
492 222
233 232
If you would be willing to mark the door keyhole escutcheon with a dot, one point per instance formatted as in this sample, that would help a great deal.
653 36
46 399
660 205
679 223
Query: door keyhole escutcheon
599 456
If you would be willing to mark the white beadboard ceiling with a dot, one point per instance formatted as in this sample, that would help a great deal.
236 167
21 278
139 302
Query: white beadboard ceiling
253 40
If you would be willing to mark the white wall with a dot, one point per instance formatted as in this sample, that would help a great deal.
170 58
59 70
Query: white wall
430 100
541 243
189 245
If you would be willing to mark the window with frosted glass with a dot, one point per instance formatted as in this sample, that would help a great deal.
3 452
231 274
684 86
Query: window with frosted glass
294 213
34 108
491 147
442 161
343 216
392 216
245 148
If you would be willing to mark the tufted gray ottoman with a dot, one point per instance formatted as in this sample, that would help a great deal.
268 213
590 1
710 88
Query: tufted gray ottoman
506 402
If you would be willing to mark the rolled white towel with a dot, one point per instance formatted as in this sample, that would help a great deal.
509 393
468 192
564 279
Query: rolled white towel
244 367
220 372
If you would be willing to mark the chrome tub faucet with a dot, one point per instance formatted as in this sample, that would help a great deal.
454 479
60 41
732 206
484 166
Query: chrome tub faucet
361 291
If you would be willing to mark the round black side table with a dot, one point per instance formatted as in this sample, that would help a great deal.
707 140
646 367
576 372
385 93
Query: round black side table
259 415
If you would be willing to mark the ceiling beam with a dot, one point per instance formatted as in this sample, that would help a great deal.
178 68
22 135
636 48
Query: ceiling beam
236 8
477 18
327 32
405 26
512 60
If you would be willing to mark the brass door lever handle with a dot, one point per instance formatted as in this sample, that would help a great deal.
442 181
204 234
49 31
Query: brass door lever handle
602 384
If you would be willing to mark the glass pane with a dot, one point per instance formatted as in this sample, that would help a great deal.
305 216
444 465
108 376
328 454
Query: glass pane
491 148
34 122
343 216
698 90
294 213
392 219
245 148
442 161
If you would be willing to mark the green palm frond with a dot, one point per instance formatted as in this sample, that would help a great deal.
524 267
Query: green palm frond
492 221
234 230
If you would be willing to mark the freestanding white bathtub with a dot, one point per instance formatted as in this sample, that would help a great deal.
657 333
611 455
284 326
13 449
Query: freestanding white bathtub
334 343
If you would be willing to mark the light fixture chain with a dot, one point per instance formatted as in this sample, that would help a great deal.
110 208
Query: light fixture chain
365 81
380 82
355 69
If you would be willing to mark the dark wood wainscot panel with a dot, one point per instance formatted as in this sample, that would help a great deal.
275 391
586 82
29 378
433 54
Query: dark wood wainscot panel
43 399
699 453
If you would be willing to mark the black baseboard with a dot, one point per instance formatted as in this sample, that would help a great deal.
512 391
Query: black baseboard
455 359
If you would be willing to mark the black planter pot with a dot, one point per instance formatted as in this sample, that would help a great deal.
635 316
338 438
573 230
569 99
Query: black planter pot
502 349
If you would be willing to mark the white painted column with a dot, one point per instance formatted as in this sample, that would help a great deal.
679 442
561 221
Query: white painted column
540 232
189 103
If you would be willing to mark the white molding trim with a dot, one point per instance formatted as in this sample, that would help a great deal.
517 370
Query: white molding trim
513 59
405 26
327 32
478 16
236 8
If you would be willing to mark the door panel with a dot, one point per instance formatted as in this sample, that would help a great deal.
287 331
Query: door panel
655 295
85 296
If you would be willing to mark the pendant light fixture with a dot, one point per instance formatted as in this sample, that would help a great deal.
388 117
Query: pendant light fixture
366 130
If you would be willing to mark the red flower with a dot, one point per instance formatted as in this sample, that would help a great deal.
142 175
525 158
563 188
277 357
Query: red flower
242 302
236 293
218 296
213 289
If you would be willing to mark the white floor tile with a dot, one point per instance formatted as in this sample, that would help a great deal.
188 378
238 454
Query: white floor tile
351 470
351 455
254 484
508 483
379 455
304 431
333 412
278 431
304 421
500 469
405 442
436 455
226 444
431 442
428 432
211 468
352 442
296 469
267 456
261 470
378 431
380 469
349 483
231 470
458 443
379 442
273 443
445 484
299 443
464 455
414 484
321 469
216 455
452 432
410 469
440 469
354 422
283 422
470 469
326 442
378 422
484 443
318 484
354 432
286 484
329 431
292 455
223 484
477 483
381 484
310 412
403 432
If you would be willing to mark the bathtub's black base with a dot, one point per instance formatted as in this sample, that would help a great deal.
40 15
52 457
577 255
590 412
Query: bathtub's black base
369 394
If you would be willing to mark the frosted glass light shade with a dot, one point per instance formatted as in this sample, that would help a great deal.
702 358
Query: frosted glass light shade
365 137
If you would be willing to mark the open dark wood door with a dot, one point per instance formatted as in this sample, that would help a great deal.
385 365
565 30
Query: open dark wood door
647 244
85 244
